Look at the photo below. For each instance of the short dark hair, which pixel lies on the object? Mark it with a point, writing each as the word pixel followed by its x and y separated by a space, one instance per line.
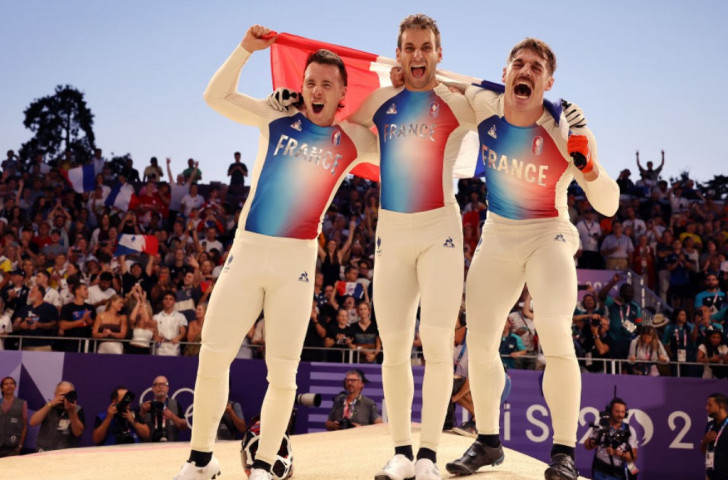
pixel 106 277
pixel 540 47
pixel 720 399
pixel 327 57
pixel 421 21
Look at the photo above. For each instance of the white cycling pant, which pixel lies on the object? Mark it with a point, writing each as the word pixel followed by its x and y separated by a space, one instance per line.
pixel 539 253
pixel 419 260
pixel 275 275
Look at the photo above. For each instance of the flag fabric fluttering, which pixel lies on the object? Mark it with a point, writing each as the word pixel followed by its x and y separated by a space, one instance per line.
pixel 366 72
pixel 122 197
pixel 129 244
pixel 82 179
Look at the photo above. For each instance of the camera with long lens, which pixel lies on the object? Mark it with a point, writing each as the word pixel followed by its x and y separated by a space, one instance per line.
pixel 308 399
pixel 157 410
pixel 122 406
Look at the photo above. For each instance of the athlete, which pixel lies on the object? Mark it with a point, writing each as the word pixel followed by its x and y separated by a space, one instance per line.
pixel 419 248
pixel 302 158
pixel 528 237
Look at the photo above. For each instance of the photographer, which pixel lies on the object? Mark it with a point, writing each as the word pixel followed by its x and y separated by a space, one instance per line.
pixel 163 415
pixel 61 420
pixel 595 343
pixel 118 424
pixel 351 408
pixel 615 444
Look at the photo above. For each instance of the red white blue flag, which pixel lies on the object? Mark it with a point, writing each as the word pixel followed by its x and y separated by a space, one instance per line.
pixel 131 244
pixel 366 72
pixel 82 179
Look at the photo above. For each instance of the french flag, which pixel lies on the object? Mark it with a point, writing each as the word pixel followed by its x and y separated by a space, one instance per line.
pixel 131 244
pixel 122 197
pixel 366 73
pixel 82 179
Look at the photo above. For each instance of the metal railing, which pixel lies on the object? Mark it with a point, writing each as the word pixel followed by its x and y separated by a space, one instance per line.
pixel 613 366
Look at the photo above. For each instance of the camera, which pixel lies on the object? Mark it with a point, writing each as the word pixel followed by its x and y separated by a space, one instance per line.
pixel 607 436
pixel 308 399
pixel 123 405
pixel 71 396
pixel 596 322
pixel 345 423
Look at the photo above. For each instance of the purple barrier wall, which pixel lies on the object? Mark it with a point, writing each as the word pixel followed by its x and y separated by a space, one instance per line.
pixel 667 414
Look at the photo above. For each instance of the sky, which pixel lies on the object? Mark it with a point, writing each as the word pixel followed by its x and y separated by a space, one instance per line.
pixel 649 75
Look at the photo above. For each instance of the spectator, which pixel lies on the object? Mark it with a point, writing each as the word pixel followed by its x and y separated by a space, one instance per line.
pixel 713 353
pixel 626 185
pixel 128 171
pixel 194 331
pixel 37 319
pixel 119 424
pixel 595 344
pixel 111 324
pixel 6 325
pixel 13 419
pixel 192 173
pixel 590 233
pixel 366 336
pixel 178 190
pixel 315 336
pixel 624 316
pixel 679 265
pixel 715 451
pixel 511 346
pixel 646 349
pixel 643 262
pixel 351 408
pixel 679 341
pixel 650 175
pixel 171 327
pixel 52 296
pixel 136 274
pixel 76 318
pixel 188 295
pixel 339 336
pixel 636 225
pixel 332 258
pixel 617 249
pixel 712 297
pixel 163 415
pixel 237 172
pixel 612 462
pixel 210 241
pixel 191 201
pixel 15 293
pixel 62 420
pixel 144 328
pixel 153 171
pixel 99 294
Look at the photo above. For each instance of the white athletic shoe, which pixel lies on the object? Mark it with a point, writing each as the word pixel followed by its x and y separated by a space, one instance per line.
pixel 260 474
pixel 426 470
pixel 398 467
pixel 190 471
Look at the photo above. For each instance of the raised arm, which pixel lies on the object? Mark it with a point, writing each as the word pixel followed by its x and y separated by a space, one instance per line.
pixel 221 93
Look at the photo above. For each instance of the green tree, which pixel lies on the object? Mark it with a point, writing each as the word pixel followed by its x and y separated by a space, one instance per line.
pixel 61 122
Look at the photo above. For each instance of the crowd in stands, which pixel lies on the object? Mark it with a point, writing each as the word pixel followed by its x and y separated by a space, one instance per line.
pixel 65 287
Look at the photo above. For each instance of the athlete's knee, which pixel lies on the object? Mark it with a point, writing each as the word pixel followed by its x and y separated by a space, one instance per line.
pixel 214 361
pixel 397 347
pixel 437 344
pixel 282 372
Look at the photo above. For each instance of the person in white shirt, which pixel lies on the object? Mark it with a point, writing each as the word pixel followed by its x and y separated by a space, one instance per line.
pixel 171 327
pixel 191 201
